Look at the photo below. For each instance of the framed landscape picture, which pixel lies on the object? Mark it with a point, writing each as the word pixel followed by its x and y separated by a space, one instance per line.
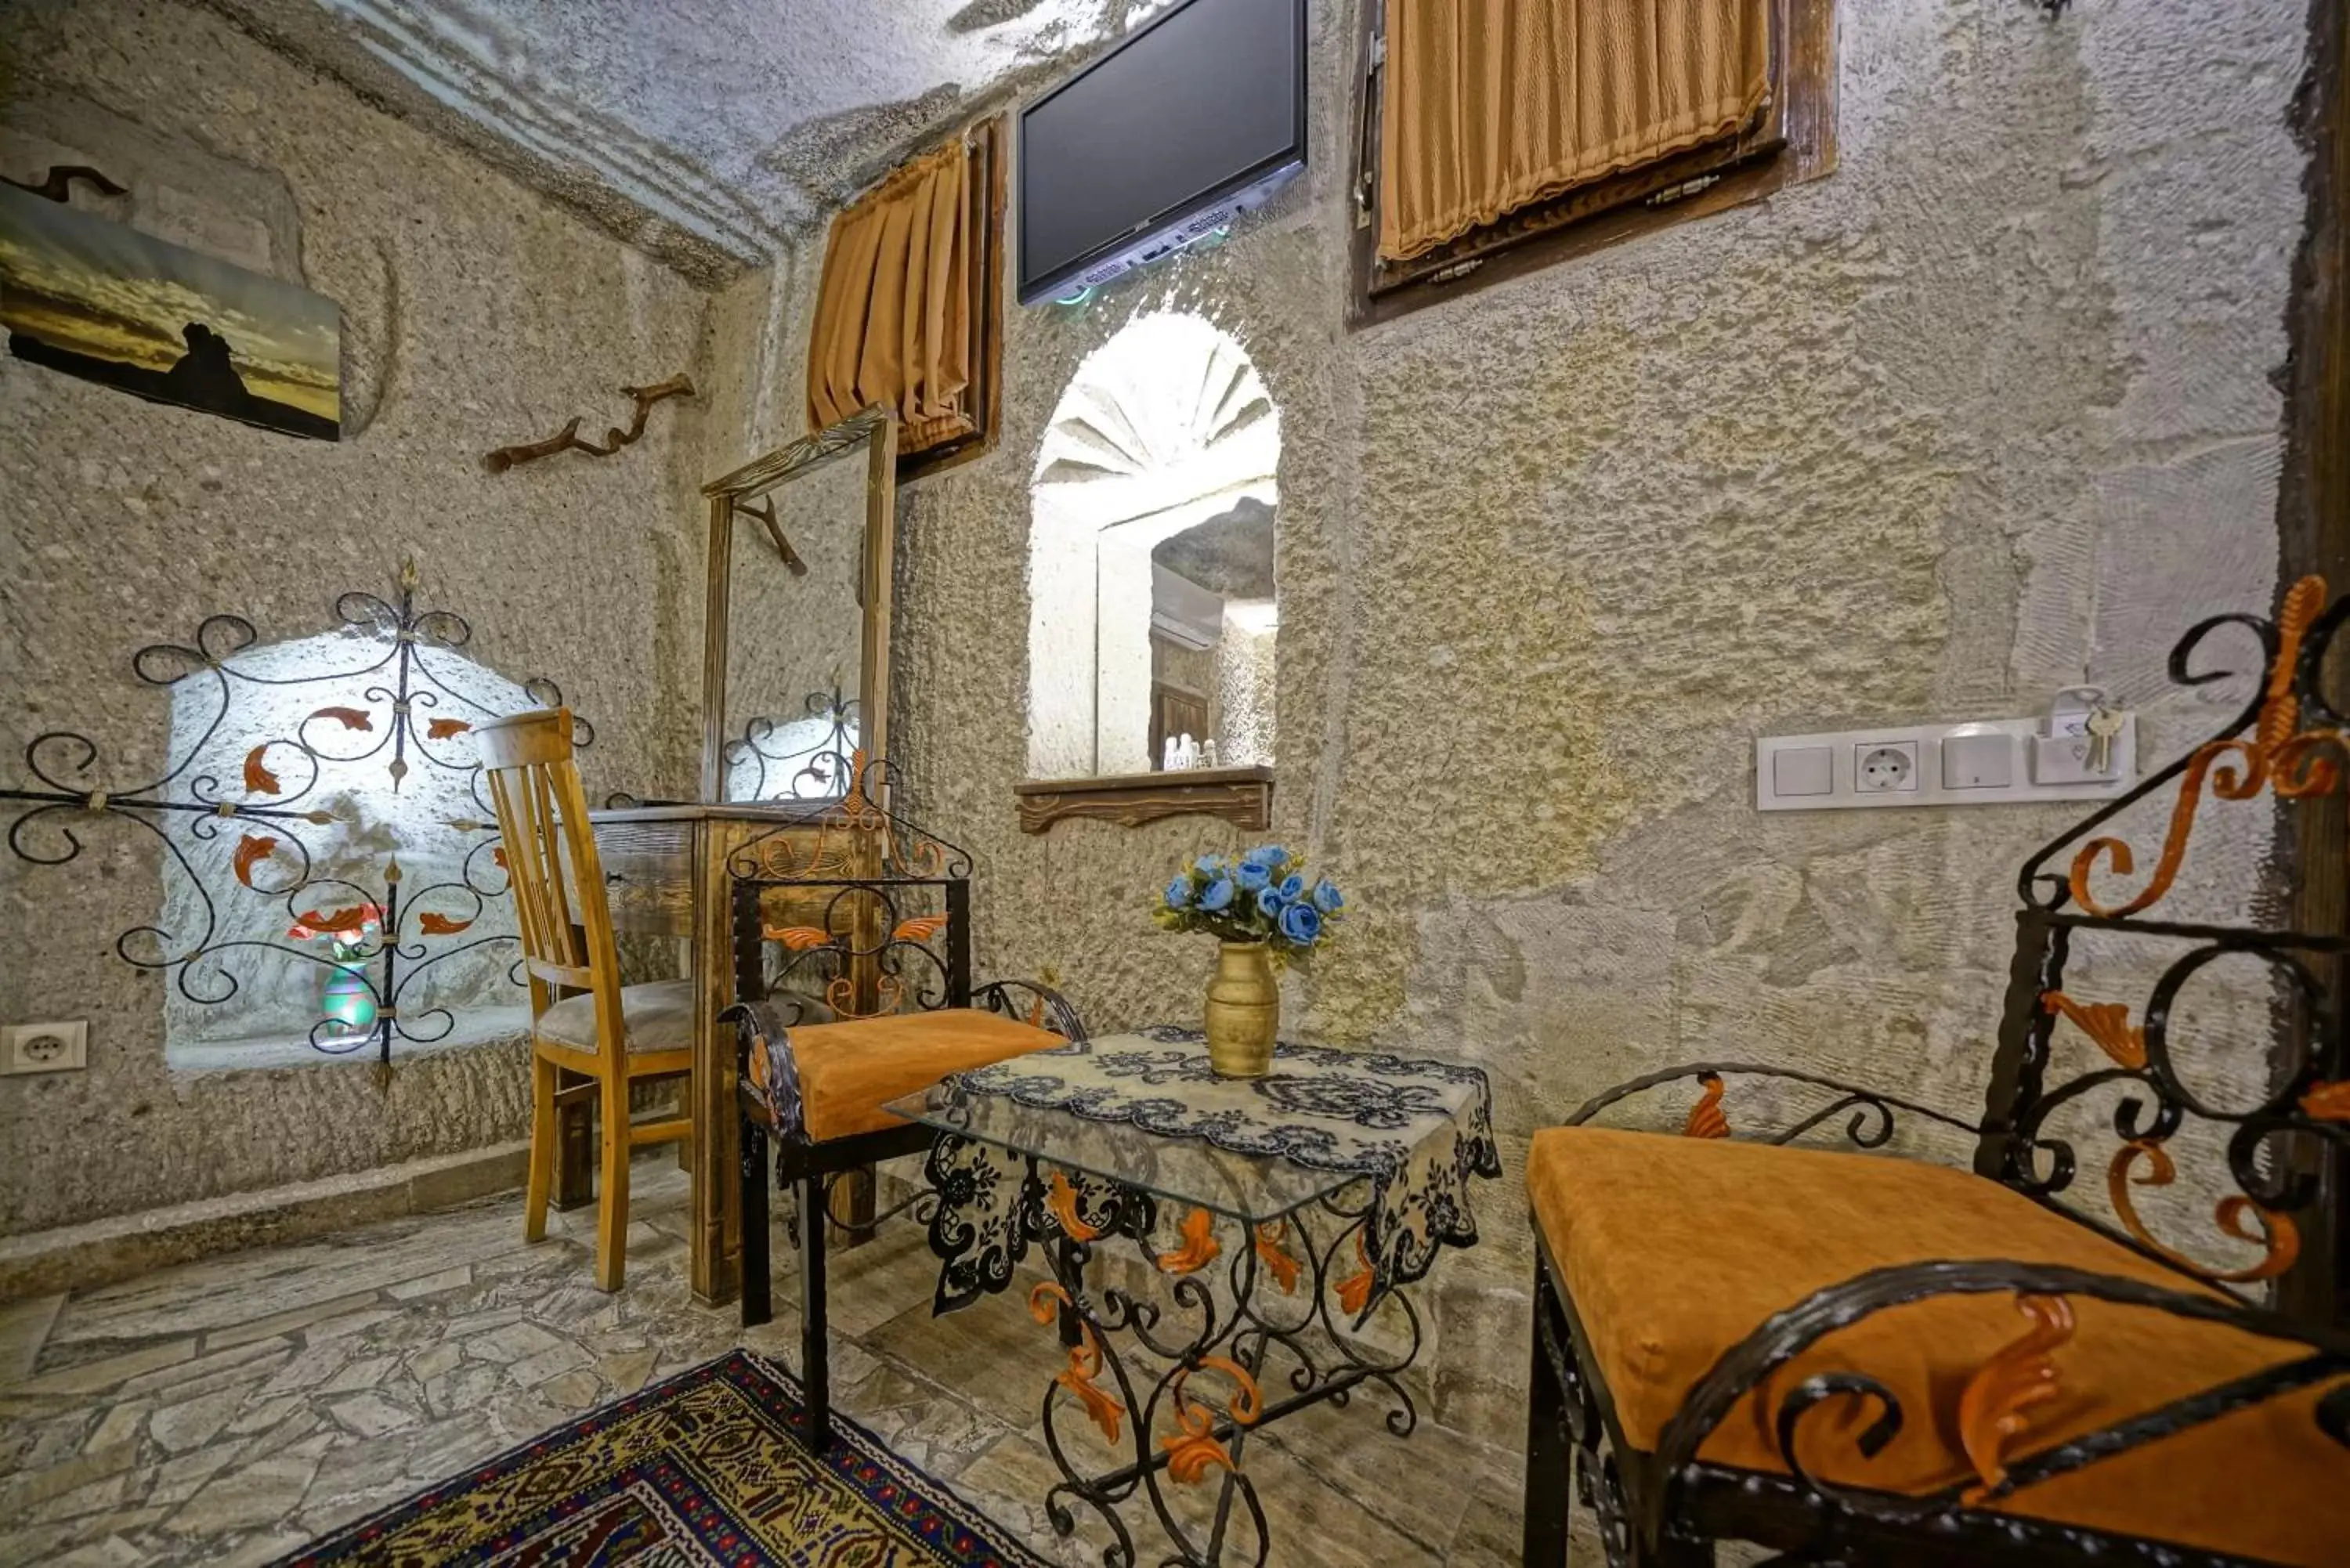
pixel 104 302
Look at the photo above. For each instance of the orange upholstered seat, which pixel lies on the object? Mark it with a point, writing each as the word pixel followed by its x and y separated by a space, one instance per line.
pixel 1674 1248
pixel 846 1073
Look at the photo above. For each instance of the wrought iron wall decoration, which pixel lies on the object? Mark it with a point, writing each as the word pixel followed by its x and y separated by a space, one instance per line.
pixel 57 183
pixel 817 770
pixel 615 438
pixel 386 936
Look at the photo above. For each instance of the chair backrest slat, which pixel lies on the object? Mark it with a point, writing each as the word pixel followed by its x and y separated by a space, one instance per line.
pixel 565 920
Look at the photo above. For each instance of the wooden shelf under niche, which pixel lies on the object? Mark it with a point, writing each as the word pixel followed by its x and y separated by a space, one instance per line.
pixel 1242 797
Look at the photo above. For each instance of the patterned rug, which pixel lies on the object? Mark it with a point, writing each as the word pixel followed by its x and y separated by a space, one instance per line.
pixel 698 1471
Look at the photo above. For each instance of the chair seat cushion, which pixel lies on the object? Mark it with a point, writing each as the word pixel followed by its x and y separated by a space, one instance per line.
pixel 658 1016
pixel 840 1075
pixel 1672 1250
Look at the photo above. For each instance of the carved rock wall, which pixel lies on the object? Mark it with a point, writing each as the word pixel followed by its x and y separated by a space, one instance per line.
pixel 1986 412
pixel 474 313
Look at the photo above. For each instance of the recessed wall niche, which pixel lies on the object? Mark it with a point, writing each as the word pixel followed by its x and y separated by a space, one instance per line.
pixel 1152 607
pixel 285 1006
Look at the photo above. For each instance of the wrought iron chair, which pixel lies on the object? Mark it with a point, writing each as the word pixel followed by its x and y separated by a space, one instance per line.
pixel 2016 1379
pixel 871 1001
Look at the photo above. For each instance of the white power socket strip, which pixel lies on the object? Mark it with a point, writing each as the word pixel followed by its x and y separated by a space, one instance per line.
pixel 44 1047
pixel 1997 761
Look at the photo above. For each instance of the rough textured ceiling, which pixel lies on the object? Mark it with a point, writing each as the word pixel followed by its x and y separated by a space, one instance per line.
pixel 710 132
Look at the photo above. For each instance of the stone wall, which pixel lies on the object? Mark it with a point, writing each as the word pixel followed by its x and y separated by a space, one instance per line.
pixel 1986 412
pixel 474 313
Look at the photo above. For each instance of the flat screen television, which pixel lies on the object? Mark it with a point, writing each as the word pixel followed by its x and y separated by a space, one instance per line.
pixel 1181 126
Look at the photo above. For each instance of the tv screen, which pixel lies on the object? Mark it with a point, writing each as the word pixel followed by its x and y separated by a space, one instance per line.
pixel 1200 108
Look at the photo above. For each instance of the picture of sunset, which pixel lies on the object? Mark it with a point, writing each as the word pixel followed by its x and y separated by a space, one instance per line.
pixel 102 301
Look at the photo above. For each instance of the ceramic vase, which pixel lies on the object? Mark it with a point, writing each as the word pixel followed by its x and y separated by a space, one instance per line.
pixel 1244 1010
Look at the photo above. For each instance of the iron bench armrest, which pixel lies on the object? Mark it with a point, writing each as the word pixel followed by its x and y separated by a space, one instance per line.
pixel 1788 1333
pixel 1852 1097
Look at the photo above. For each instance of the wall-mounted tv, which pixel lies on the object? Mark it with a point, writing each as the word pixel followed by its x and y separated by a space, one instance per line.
pixel 1192 119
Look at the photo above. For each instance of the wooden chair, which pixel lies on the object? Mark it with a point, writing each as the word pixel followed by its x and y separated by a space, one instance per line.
pixel 873 1001
pixel 1866 1360
pixel 582 1018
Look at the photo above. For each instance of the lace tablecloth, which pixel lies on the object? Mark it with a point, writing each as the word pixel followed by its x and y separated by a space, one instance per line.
pixel 1414 1132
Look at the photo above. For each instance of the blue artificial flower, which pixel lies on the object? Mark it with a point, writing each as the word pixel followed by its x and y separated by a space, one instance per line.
pixel 1179 892
pixel 1301 925
pixel 1268 903
pixel 1326 897
pixel 1219 895
pixel 1292 887
pixel 1252 875
pixel 1265 855
pixel 1209 865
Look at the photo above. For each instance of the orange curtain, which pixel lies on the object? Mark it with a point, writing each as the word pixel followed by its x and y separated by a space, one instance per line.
pixel 1491 105
pixel 893 313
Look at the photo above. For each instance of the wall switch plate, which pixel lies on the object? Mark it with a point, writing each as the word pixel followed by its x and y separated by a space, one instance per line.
pixel 1803 770
pixel 44 1047
pixel 1982 760
pixel 1983 763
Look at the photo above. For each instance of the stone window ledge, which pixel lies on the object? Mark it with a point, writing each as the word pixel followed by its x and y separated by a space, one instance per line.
pixel 1242 797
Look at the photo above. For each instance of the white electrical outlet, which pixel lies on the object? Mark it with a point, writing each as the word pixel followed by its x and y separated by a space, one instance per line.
pixel 44 1047
pixel 1978 763
pixel 1879 767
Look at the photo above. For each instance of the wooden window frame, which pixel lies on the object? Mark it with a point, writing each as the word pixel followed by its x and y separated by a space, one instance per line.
pixel 1793 139
pixel 975 431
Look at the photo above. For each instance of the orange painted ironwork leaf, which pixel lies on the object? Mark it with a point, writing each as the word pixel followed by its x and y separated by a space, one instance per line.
pixel 251 850
pixel 2328 1102
pixel 442 729
pixel 498 854
pixel 341 923
pixel 1355 1290
pixel 1061 1202
pixel 2106 1022
pixel 258 779
pixel 799 939
pixel 1191 1451
pixel 1993 1408
pixel 1277 1262
pixel 1706 1118
pixel 918 929
pixel 2275 1234
pixel 1199 1247
pixel 348 718
pixel 434 925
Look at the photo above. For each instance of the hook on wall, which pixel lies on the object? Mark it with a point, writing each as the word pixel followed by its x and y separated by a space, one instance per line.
pixel 568 438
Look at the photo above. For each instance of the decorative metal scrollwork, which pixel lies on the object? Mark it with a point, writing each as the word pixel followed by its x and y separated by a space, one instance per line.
pixel 386 936
pixel 1870 1126
pixel 819 770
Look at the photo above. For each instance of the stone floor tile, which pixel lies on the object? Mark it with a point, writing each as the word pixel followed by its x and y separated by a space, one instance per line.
pixel 306 1386
pixel 106 1372
pixel 371 1415
pixel 179 1427
pixel 252 1496
pixel 431 1284
pixel 24 1330
pixel 280 1323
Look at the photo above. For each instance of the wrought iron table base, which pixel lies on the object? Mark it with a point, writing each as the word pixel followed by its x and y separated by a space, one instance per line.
pixel 1284 1290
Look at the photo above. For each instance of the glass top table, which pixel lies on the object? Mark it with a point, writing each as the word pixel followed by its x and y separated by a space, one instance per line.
pixel 1259 1234
pixel 1255 1189
pixel 1147 1112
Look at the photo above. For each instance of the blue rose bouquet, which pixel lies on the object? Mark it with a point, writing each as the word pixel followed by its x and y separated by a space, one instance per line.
pixel 1264 896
